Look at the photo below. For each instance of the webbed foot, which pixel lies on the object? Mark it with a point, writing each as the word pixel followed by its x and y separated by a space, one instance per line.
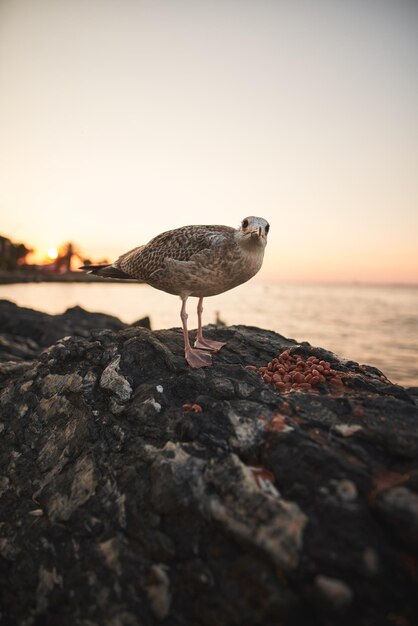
pixel 197 358
pixel 208 344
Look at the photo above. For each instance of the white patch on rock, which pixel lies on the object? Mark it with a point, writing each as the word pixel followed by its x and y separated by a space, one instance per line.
pixel 263 481
pixel 159 388
pixel 247 431
pixel 346 430
pixel 156 405
pixel 113 381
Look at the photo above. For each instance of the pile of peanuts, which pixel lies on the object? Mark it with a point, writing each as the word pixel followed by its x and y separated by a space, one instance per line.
pixel 290 371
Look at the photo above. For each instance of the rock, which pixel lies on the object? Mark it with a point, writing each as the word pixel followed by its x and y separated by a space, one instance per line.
pixel 43 329
pixel 135 490
pixel 399 509
pixel 144 322
pixel 25 332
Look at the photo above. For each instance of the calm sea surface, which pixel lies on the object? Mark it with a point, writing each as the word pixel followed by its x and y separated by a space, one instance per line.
pixel 374 324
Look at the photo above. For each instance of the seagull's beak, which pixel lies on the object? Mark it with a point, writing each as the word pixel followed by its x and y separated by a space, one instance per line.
pixel 257 233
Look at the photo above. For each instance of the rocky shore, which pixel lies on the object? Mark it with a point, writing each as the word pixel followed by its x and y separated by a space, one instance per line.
pixel 137 491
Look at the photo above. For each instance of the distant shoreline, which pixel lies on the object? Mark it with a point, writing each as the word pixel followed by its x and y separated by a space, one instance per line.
pixel 22 276
pixel 10 278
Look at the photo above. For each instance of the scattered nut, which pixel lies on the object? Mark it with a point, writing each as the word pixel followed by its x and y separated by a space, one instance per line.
pixel 192 407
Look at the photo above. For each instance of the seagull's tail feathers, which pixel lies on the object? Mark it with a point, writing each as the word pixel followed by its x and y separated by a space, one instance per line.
pixel 108 271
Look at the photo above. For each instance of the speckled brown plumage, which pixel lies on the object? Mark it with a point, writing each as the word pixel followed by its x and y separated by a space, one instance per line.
pixel 174 261
pixel 195 261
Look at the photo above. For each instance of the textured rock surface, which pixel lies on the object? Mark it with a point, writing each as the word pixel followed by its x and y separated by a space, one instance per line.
pixel 24 332
pixel 135 490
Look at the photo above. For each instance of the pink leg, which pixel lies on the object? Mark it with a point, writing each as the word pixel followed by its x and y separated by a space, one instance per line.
pixel 204 344
pixel 195 358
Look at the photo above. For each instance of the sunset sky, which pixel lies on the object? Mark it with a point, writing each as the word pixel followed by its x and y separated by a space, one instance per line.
pixel 123 118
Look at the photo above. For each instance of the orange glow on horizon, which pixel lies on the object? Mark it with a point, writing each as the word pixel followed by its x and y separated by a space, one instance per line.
pixel 284 263
pixel 52 253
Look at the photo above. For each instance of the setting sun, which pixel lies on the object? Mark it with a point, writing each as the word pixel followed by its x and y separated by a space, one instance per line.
pixel 52 253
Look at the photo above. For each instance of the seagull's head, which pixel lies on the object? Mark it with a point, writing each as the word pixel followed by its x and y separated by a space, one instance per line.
pixel 253 232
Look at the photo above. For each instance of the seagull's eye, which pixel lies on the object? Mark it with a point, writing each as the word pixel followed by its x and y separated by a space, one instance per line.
pixel 245 223
pixel 267 228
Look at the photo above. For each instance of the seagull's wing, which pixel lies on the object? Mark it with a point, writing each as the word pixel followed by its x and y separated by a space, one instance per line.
pixel 183 244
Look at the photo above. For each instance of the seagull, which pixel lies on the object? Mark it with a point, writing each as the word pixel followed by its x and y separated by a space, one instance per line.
pixel 197 261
